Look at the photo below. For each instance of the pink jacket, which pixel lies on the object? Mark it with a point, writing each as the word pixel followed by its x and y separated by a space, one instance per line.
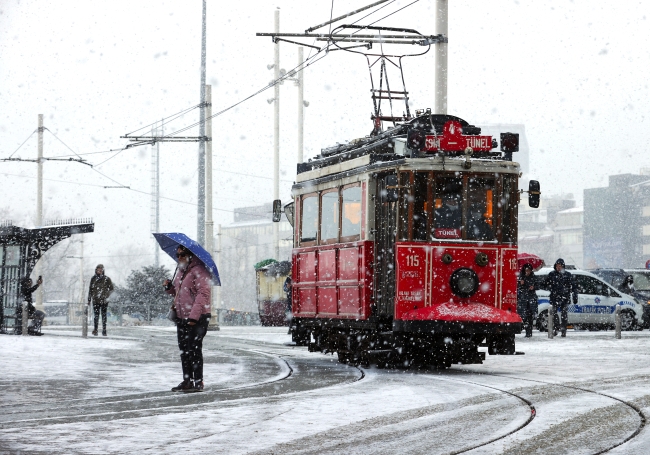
pixel 194 293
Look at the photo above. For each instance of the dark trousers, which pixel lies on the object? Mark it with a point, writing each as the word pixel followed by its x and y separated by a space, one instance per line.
pixel 190 342
pixel 36 316
pixel 563 320
pixel 97 307
pixel 528 321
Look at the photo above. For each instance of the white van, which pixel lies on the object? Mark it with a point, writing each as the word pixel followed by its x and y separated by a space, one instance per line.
pixel 596 305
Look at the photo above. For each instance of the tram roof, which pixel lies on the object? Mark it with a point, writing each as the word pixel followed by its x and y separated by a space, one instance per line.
pixel 377 163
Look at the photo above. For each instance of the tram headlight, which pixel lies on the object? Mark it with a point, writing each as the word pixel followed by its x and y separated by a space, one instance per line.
pixel 464 282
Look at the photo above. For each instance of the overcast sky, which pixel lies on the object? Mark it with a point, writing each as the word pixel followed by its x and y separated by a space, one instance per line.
pixel 574 73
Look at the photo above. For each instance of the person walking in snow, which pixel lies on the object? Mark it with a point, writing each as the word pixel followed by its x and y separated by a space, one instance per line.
pixel 192 296
pixel 562 287
pixel 100 289
pixel 527 297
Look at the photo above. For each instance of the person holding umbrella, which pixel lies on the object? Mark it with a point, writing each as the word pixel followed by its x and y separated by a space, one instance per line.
pixel 191 288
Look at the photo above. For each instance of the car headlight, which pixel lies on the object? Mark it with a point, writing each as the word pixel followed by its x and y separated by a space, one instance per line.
pixel 464 282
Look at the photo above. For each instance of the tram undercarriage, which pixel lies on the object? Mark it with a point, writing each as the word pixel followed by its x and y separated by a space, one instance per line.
pixel 366 343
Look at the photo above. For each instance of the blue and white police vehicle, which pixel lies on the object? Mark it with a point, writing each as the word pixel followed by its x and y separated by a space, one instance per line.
pixel 596 305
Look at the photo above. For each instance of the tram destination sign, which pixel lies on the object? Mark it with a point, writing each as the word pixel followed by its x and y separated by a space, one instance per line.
pixel 453 140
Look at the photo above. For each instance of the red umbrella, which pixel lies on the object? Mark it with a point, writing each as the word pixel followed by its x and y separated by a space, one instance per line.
pixel 529 258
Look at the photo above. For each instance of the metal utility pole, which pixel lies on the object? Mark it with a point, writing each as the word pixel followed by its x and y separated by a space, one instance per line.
pixel 84 305
pixel 442 28
pixel 276 133
pixel 209 223
pixel 39 205
pixel 201 193
pixel 301 104
pixel 155 192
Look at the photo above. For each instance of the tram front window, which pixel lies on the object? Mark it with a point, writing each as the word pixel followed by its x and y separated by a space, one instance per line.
pixel 448 216
pixel 480 214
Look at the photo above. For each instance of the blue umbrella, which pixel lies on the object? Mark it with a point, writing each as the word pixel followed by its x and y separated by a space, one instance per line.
pixel 169 243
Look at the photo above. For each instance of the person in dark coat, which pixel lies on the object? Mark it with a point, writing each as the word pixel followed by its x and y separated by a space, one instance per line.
pixel 449 216
pixel 527 297
pixel 100 290
pixel 477 227
pixel 562 287
pixel 26 291
pixel 627 286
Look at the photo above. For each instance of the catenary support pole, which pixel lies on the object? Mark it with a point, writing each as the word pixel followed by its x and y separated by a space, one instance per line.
pixel 200 235
pixel 39 207
pixel 276 134
pixel 618 322
pixel 209 223
pixel 217 305
pixel 442 28
pixel 84 305
pixel 301 105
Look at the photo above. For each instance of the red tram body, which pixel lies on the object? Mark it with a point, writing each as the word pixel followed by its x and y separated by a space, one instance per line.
pixel 405 246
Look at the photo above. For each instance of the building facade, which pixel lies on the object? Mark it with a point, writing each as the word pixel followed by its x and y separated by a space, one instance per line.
pixel 245 242
pixel 617 223
pixel 554 230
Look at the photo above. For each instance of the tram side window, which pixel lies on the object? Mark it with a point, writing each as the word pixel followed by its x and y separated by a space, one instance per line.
pixel 405 199
pixel 329 229
pixel 448 217
pixel 480 209
pixel 420 205
pixel 508 204
pixel 351 214
pixel 309 219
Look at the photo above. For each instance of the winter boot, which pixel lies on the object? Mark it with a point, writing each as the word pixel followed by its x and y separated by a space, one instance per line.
pixel 197 386
pixel 95 332
pixel 563 334
pixel 183 386
pixel 104 333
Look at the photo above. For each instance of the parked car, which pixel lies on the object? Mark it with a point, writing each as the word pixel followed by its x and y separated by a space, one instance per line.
pixel 641 277
pixel 596 305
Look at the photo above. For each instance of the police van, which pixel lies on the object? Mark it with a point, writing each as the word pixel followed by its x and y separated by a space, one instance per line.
pixel 596 305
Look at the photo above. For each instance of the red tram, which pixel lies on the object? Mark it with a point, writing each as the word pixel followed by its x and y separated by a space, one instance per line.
pixel 405 246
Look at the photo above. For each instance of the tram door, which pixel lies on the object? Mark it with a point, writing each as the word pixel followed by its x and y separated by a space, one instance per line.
pixel 385 233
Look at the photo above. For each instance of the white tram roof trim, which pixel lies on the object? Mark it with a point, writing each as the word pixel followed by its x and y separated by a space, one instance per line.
pixel 447 163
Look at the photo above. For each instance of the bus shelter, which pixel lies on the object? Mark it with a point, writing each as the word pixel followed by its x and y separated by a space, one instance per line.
pixel 20 250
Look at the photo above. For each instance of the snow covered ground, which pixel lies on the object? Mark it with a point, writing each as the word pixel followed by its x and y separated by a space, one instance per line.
pixel 63 394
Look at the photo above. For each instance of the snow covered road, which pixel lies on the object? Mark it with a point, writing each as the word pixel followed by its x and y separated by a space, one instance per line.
pixel 265 396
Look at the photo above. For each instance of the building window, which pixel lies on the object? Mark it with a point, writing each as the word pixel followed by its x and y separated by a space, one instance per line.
pixel 646 211
pixel 646 229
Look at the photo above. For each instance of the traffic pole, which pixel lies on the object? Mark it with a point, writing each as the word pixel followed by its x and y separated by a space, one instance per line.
pixel 84 320
pixel 551 321
pixel 618 322
pixel 25 317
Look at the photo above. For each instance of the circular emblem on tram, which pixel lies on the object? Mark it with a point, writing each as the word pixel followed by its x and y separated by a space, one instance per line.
pixel 446 258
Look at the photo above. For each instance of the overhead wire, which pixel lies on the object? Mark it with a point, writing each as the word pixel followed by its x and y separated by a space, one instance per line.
pixel 297 68
pixel 28 137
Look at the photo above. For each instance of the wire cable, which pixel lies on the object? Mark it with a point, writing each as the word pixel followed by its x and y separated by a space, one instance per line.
pixel 22 143
pixel 297 68
pixel 57 138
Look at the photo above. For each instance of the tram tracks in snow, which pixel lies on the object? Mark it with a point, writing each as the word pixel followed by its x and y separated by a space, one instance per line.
pixel 141 405
pixel 639 412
